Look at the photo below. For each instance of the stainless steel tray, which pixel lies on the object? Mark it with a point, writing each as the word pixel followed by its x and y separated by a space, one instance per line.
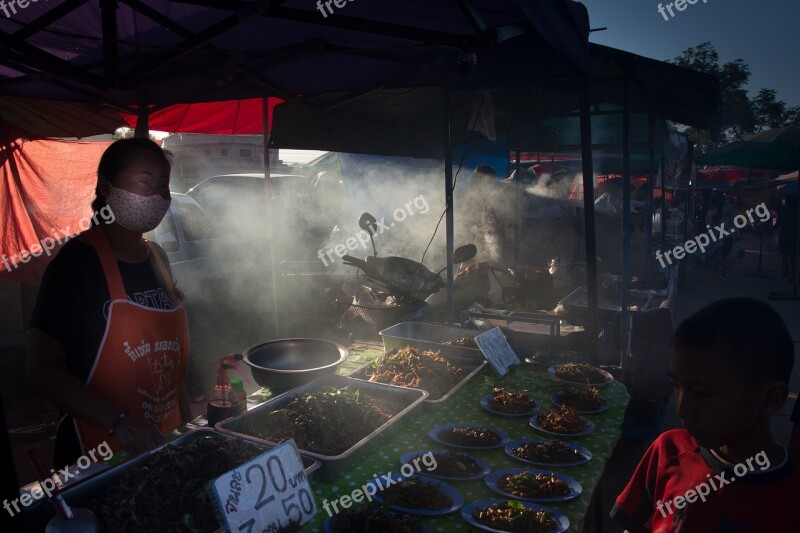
pixel 427 336
pixel 405 399
pixel 470 366
pixel 80 493
pixel 608 302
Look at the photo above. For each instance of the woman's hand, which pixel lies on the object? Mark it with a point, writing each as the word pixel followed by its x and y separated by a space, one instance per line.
pixel 136 435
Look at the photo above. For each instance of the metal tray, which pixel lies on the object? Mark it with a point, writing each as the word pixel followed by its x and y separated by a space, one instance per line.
pixel 78 494
pixel 608 302
pixel 470 365
pixel 332 465
pixel 427 336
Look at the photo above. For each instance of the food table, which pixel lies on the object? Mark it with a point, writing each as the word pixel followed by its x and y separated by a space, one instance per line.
pixel 464 407
pixel 411 434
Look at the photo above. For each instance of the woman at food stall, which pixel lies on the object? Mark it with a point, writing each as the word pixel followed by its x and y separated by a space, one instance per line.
pixel 109 337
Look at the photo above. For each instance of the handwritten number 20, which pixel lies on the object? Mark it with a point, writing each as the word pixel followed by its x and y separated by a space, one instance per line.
pixel 261 501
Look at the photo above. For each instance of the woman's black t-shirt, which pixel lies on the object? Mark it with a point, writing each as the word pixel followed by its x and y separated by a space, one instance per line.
pixel 72 307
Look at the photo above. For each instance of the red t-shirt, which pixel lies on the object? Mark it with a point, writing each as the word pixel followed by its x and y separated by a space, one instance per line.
pixel 723 498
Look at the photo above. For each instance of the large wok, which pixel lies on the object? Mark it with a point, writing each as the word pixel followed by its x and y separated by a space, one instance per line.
pixel 285 364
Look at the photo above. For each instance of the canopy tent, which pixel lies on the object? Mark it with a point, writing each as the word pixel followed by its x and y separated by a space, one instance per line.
pixel 128 52
pixel 33 118
pixel 777 149
pixel 228 117
pixel 723 173
pixel 522 95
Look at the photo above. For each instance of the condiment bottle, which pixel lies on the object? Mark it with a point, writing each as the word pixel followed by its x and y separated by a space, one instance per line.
pixel 224 402
pixel 237 386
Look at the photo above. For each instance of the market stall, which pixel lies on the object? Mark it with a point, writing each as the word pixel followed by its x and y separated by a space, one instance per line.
pixel 380 453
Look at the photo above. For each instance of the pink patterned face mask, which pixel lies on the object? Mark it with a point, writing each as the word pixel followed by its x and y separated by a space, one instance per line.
pixel 136 212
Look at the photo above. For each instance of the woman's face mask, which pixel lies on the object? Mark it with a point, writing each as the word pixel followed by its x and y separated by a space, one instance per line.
pixel 135 212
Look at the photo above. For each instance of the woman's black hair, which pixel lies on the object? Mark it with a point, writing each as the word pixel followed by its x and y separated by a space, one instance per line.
pixel 747 334
pixel 117 157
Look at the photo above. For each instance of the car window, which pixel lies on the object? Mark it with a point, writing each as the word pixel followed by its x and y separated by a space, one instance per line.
pixel 165 234
pixel 222 200
pixel 196 224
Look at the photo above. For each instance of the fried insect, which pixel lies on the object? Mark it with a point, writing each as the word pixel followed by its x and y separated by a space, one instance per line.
pixel 515 517
pixel 565 420
pixel 375 517
pixel 580 373
pixel 552 451
pixel 408 367
pixel 326 422
pixel 469 436
pixel 585 399
pixel 464 342
pixel 511 402
pixel 414 493
pixel 166 492
pixel 530 485
pixel 451 464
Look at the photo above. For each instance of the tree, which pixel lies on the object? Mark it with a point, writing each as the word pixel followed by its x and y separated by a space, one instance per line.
pixel 740 114
pixel 771 113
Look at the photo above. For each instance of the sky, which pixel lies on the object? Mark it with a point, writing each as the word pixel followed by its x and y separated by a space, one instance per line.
pixel 765 34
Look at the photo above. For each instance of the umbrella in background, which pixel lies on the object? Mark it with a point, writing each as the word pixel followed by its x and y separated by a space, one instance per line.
pixel 730 173
pixel 777 149
pixel 772 150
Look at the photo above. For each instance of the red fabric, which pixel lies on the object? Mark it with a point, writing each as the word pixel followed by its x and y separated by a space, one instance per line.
pixel 47 189
pixel 230 117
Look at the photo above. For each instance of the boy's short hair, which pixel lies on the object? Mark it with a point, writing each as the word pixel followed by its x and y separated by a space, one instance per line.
pixel 746 333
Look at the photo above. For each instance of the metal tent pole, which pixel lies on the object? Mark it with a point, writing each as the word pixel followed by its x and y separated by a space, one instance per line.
pixel 588 206
pixel 448 198
pixel 270 216
pixel 626 220
pixel 760 270
pixel 651 134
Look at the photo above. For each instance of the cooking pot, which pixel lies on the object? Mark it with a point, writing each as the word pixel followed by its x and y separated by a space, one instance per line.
pixel 285 364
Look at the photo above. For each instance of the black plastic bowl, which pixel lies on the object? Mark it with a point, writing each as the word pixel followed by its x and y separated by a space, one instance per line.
pixel 285 364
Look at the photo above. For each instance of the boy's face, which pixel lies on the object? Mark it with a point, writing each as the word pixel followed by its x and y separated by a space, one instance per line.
pixel 717 405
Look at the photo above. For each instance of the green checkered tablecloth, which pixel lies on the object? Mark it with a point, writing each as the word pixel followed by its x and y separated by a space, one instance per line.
pixel 464 406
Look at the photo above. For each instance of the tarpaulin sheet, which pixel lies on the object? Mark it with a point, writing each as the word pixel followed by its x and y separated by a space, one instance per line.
pixel 46 191
pixel 230 117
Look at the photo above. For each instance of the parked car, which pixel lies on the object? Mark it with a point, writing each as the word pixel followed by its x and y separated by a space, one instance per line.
pixel 193 245
pixel 232 199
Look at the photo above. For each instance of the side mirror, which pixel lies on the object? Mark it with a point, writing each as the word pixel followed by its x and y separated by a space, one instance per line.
pixel 368 223
pixel 464 253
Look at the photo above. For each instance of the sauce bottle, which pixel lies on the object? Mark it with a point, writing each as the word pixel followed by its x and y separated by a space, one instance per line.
pixel 224 402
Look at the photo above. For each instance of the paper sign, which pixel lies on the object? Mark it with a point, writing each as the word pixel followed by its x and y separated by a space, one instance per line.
pixel 497 351
pixel 267 493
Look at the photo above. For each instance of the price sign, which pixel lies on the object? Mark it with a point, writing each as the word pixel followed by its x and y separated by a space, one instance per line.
pixel 497 351
pixel 266 494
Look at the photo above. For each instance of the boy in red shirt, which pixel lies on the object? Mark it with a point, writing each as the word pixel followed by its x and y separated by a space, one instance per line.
pixel 730 365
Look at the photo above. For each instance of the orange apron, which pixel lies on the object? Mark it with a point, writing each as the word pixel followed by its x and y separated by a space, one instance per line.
pixel 142 359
